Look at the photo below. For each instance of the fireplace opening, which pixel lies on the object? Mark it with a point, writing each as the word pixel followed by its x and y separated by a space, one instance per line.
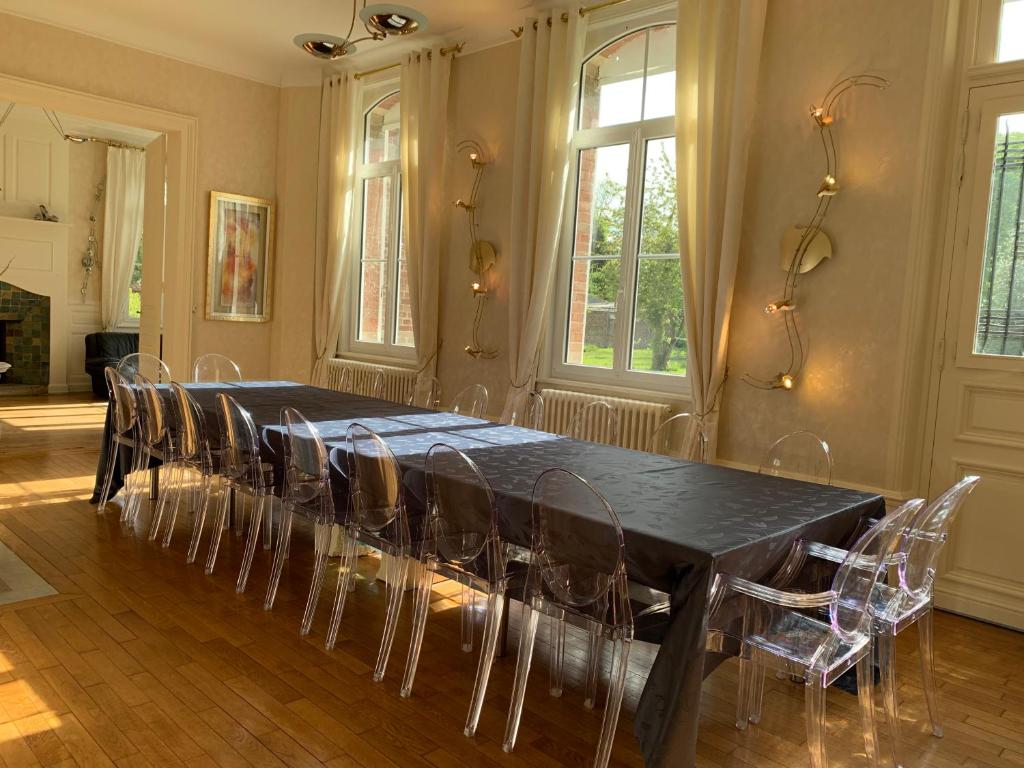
pixel 24 340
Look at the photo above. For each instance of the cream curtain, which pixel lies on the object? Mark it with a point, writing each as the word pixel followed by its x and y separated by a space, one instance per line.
pixel 122 230
pixel 718 52
pixel 549 73
pixel 336 229
pixel 424 123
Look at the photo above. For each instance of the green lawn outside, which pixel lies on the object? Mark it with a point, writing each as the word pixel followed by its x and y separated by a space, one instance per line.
pixel 601 357
pixel 134 304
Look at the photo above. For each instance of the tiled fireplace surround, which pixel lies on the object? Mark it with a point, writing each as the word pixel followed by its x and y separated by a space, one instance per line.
pixel 24 336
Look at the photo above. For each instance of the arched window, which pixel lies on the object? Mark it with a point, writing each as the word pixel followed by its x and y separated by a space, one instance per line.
pixel 383 319
pixel 621 292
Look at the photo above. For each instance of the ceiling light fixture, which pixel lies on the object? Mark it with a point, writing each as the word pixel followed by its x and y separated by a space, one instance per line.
pixel 380 21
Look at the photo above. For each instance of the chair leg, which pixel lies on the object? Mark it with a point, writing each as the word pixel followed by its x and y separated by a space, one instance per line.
pixel 556 643
pixel 527 635
pixel 866 694
pixel 466 617
pixel 113 455
pixel 814 704
pixel 321 544
pixel 593 666
pixel 133 501
pixel 268 523
pixel 616 687
pixel 424 583
pixel 755 692
pixel 926 649
pixel 218 530
pixel 171 470
pixel 884 647
pixel 197 525
pixel 488 647
pixel 177 490
pixel 283 536
pixel 250 545
pixel 396 589
pixel 346 568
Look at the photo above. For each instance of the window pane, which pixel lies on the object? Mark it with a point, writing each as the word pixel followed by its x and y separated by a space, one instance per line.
pixel 403 308
pixel 601 200
pixel 659 334
pixel 135 289
pixel 592 306
pixel 1011 31
pixel 382 124
pixel 613 83
pixel 1001 303
pixel 372 282
pixel 376 247
pixel 660 96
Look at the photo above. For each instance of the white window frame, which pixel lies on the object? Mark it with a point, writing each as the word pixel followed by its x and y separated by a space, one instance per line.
pixel 350 345
pixel 636 135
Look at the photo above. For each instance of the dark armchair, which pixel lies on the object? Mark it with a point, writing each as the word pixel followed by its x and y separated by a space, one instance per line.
pixel 103 349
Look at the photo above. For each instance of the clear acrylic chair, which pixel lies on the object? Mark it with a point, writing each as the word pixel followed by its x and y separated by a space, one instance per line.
pixel 215 367
pixel 155 442
pixel 799 454
pixel 306 491
pixel 461 543
pixel 597 422
pixel 908 602
pixel 244 476
pixel 531 415
pixel 432 398
pixel 577 575
pixel 471 401
pixel 673 434
pixel 123 432
pixel 144 364
pixel 377 517
pixel 777 630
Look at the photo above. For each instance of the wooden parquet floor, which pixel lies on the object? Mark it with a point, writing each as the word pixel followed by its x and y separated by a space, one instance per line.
pixel 142 661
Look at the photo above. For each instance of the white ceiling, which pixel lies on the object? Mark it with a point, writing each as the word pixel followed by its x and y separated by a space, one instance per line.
pixel 253 38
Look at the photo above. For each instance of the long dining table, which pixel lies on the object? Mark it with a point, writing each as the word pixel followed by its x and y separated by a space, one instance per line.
pixel 683 522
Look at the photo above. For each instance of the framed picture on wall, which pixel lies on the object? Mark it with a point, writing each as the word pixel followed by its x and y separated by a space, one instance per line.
pixel 241 259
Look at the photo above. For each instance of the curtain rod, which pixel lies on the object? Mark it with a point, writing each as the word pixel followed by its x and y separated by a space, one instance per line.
pixel 444 52
pixel 518 31
pixel 110 143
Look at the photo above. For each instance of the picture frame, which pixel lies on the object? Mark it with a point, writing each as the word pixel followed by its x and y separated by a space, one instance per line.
pixel 240 264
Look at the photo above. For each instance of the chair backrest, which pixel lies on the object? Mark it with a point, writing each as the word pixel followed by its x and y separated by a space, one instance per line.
pixel 799 454
pixel 215 367
pixel 432 398
pixel 307 471
pixel 122 395
pixel 597 421
pixel 463 514
pixel 375 480
pixel 926 535
pixel 377 383
pixel 672 436
pixel 152 413
pixel 578 548
pixel 150 366
pixel 531 415
pixel 240 446
pixel 192 437
pixel 865 564
pixel 471 401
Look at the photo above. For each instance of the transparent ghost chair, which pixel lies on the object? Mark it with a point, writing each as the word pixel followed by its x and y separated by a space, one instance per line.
pixel 673 434
pixel 243 472
pixel 908 602
pixel 800 454
pixel 306 491
pixel 124 426
pixel 778 631
pixel 577 575
pixel 377 517
pixel 215 367
pixel 430 399
pixel 144 364
pixel 461 543
pixel 597 422
pixel 471 401
pixel 155 442
pixel 531 415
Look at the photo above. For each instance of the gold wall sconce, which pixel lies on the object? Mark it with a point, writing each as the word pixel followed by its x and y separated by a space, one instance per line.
pixel 804 248
pixel 482 254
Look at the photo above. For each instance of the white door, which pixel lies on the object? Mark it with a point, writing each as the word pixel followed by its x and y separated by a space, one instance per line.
pixel 979 426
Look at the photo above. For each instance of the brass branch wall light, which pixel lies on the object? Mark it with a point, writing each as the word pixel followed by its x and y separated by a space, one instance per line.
pixel 803 248
pixel 482 254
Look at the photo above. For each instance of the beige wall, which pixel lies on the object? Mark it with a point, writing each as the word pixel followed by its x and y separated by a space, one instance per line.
pixel 850 307
pixel 87 167
pixel 238 122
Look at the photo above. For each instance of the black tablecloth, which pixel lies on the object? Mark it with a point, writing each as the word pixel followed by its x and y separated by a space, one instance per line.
pixel 683 522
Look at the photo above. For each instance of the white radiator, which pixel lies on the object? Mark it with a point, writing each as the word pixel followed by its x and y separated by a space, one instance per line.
pixel 637 419
pixel 361 378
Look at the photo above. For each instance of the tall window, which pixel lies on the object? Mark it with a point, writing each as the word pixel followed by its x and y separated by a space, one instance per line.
pixel 622 301
pixel 383 319
pixel 135 288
